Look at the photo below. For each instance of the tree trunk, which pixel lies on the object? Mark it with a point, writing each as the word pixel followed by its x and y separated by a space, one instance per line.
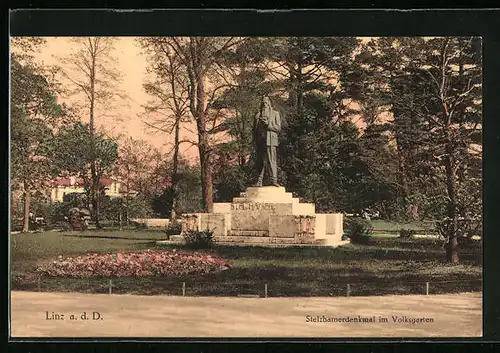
pixel 203 143
pixel 92 96
pixel 399 127
pixel 206 181
pixel 300 93
pixel 175 166
pixel 452 226
pixel 95 195
pixel 27 204
pixel 95 179
pixel 403 176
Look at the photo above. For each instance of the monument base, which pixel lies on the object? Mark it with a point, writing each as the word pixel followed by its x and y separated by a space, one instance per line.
pixel 268 214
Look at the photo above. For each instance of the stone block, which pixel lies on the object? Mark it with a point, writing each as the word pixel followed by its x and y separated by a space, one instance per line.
pixel 242 240
pixel 268 194
pixel 333 227
pixel 282 226
pixel 304 238
pixel 255 216
pixel 304 209
pixel 191 222
pixel 248 233
pixel 222 207
pixel 214 221
pixel 320 226
pixel 282 240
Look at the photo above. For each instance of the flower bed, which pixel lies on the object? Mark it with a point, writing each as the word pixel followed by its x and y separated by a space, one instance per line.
pixel 143 263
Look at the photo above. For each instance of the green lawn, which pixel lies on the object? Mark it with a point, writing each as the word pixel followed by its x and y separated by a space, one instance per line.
pixel 384 235
pixel 380 225
pixel 386 266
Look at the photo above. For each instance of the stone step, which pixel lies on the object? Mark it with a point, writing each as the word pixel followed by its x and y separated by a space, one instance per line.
pixel 248 233
pixel 176 238
pixel 287 200
pixel 261 244
pixel 273 198
pixel 241 239
pixel 263 239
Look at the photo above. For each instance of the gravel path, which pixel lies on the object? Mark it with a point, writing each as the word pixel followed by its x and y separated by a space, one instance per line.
pixel 35 315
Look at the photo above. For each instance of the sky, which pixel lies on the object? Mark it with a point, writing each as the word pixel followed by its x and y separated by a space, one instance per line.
pixel 132 64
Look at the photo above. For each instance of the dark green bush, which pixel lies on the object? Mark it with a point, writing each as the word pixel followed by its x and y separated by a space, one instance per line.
pixel 196 239
pixel 141 225
pixel 359 230
pixel 174 227
pixel 407 233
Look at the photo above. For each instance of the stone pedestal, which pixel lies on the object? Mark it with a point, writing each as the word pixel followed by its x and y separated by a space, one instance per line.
pixel 269 213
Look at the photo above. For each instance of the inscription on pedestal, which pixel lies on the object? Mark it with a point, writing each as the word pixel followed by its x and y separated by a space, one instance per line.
pixel 254 206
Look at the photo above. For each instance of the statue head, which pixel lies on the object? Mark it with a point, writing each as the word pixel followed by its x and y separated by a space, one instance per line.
pixel 266 102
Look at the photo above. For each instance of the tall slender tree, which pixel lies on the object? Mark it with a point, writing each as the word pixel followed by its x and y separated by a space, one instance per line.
pixel 92 71
pixel 200 57
pixel 169 108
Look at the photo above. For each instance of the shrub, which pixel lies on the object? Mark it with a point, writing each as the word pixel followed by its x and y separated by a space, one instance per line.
pixel 407 233
pixel 359 230
pixel 173 228
pixel 196 239
pixel 140 225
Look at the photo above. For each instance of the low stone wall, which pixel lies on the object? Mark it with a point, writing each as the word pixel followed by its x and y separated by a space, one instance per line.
pixel 153 222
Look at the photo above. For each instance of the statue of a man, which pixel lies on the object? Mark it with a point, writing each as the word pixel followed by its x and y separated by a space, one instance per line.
pixel 267 125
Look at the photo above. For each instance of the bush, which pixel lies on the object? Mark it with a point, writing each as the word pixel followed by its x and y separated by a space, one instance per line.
pixel 407 233
pixel 173 228
pixel 196 239
pixel 359 230
pixel 139 225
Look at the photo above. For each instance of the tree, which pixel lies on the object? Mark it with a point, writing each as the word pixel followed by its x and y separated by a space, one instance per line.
pixel 137 207
pixel 170 107
pixel 35 116
pixel 142 169
pixel 199 57
pixel 435 97
pixel 454 69
pixel 75 150
pixel 388 65
pixel 91 69
pixel 189 192
pixel 313 72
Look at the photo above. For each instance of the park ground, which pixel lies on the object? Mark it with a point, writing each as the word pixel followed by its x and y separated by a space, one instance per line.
pixel 388 277
pixel 128 316
pixel 388 265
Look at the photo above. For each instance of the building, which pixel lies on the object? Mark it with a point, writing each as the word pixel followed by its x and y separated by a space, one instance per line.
pixel 64 186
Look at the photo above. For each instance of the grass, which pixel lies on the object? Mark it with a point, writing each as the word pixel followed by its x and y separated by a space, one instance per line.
pixel 384 235
pixel 387 266
pixel 382 225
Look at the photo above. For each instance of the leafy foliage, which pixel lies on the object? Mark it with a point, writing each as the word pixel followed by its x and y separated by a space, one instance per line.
pixel 174 227
pixel 407 233
pixel 358 230
pixel 115 208
pixel 35 116
pixel 203 239
pixel 189 193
